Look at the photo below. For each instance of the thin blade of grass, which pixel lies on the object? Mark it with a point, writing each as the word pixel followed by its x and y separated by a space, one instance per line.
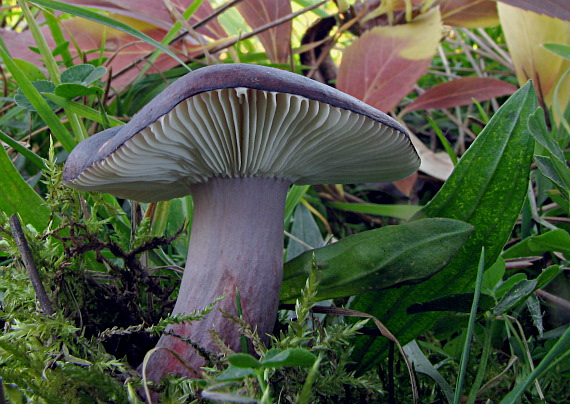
pixel 83 110
pixel 470 329
pixel 27 153
pixel 40 104
pixel 449 150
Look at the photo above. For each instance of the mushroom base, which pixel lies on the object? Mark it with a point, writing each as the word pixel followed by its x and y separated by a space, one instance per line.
pixel 236 243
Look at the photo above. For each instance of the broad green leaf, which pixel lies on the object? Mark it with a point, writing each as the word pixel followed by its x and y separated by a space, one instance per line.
pixel 398 211
pixel 377 259
pixel 103 19
pixel 275 358
pixel 243 361
pixel 554 240
pixel 40 104
pixel 493 275
pixel 16 196
pixel 487 190
pixel 95 75
pixel 73 90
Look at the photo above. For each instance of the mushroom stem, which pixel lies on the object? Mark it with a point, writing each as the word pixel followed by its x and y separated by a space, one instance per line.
pixel 236 243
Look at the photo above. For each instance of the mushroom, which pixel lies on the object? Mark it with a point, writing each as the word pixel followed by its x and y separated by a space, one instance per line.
pixel 236 137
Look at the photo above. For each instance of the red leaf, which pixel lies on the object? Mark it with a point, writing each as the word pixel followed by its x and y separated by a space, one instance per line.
pixel 383 65
pixel 553 8
pixel 406 185
pixel 155 12
pixel 277 40
pixel 460 92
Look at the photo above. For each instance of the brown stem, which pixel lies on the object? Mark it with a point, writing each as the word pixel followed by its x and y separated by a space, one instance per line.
pixel 236 244
pixel 30 265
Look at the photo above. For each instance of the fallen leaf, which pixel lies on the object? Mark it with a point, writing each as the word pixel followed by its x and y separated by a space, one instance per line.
pixel 276 40
pixel 460 92
pixel 383 65
pixel 525 32
pixel 554 8
pixel 406 185
pixel 469 13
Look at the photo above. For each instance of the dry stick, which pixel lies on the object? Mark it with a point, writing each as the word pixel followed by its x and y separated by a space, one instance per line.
pixel 30 265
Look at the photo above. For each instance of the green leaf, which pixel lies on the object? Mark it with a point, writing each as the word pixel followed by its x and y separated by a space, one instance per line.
pixel 515 296
pixel 547 275
pixel 42 86
pixel 72 90
pixel 110 22
pixel 244 361
pixel 33 72
pixel 538 129
pixel 76 74
pixel 275 358
pixel 16 196
pixel 559 49
pixel 233 373
pixel 557 171
pixel 82 110
pixel 559 351
pixel 294 196
pixel 377 259
pixel 554 240
pixel 40 104
pixel 305 229
pixel 398 211
pixel 459 303
pixel 487 190
pixel 508 284
pixel 95 75
pixel 27 153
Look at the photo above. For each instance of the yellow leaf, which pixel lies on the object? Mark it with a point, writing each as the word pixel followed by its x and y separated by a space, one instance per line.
pixel 525 32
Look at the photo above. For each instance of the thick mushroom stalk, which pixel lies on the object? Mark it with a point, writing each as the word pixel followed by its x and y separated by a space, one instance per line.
pixel 236 244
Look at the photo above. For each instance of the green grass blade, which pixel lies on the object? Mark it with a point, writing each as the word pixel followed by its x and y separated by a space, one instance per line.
pixel 398 211
pixel 40 104
pixel 560 350
pixel 487 189
pixel 83 110
pixel 16 196
pixel 443 141
pixel 102 19
pixel 294 196
pixel 27 153
pixel 470 330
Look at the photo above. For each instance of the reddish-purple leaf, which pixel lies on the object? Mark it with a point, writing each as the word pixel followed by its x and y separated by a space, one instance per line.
pixel 460 92
pixel 277 40
pixel 383 65
pixel 469 13
pixel 155 12
pixel 553 8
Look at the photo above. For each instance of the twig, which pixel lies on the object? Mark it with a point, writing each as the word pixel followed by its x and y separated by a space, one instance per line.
pixel 30 265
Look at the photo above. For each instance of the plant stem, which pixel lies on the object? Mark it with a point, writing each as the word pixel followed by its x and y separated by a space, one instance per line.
pixel 30 265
